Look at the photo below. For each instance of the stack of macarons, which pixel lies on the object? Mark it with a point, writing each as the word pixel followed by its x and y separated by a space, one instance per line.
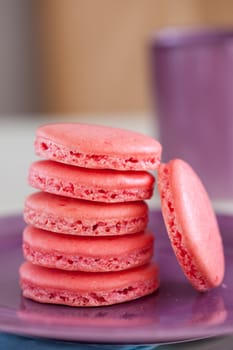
pixel 86 242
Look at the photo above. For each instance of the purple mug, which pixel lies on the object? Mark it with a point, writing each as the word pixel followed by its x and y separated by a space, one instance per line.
pixel 192 82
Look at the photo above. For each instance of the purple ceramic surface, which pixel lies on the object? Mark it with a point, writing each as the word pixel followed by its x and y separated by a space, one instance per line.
pixel 175 313
pixel 192 77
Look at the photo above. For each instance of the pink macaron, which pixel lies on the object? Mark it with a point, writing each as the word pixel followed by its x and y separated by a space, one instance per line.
pixel 132 314
pixel 77 288
pixel 101 185
pixel 191 224
pixel 78 217
pixel 93 146
pixel 92 254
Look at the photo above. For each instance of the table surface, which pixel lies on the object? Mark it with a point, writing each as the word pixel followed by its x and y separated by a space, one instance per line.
pixel 12 342
pixel 16 140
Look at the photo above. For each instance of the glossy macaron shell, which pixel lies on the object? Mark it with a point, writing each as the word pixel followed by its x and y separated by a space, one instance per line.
pixel 79 217
pixel 94 146
pixel 91 184
pixel 191 224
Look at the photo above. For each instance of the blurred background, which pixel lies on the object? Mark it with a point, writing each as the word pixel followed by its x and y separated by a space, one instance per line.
pixel 89 61
pixel 86 56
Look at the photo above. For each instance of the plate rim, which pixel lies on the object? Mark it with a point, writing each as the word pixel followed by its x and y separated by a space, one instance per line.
pixel 83 335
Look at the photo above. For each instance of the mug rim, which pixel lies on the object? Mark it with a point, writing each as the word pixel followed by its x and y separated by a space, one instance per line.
pixel 172 37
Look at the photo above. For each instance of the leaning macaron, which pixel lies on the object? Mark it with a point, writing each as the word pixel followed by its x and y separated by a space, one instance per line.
pixel 93 146
pixel 78 217
pixel 87 288
pixel 191 224
pixel 92 254
pixel 101 185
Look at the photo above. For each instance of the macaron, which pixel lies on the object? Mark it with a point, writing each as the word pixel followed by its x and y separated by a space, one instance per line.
pixel 132 314
pixel 101 185
pixel 78 217
pixel 87 288
pixel 93 146
pixel 191 224
pixel 92 254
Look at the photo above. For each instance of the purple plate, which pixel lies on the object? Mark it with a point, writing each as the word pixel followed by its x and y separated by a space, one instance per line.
pixel 175 313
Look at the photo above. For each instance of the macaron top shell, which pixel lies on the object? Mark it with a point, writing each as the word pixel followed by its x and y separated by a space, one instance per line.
pixel 83 217
pixel 86 246
pixel 76 208
pixel 102 146
pixel 94 178
pixel 101 185
pixel 86 281
pixel 191 224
